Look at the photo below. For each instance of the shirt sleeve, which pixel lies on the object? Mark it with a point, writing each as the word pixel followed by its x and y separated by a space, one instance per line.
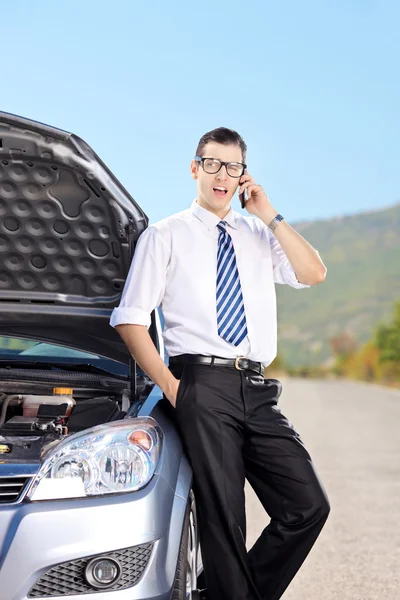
pixel 145 284
pixel 282 269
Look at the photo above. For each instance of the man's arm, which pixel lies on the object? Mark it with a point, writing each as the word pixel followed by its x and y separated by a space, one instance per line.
pixel 142 293
pixel 303 258
pixel 139 343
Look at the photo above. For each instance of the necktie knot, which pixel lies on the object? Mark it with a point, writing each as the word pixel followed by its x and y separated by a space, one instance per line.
pixel 222 226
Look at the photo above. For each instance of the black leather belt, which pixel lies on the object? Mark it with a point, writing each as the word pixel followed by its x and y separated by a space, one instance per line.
pixel 241 362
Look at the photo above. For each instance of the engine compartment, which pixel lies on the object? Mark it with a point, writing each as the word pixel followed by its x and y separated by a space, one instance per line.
pixel 33 423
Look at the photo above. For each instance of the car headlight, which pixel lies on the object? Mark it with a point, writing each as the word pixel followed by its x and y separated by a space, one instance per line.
pixel 107 459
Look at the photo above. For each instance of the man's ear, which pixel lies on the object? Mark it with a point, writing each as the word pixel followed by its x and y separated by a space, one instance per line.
pixel 193 169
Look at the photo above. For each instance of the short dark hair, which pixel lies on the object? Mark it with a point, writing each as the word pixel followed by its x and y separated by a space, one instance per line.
pixel 225 136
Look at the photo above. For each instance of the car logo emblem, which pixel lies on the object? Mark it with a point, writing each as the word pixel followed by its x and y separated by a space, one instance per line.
pixel 4 449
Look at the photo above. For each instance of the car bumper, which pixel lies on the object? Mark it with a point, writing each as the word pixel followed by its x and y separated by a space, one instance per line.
pixel 35 536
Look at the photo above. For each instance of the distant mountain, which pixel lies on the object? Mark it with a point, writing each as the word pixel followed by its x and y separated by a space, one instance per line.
pixel 362 255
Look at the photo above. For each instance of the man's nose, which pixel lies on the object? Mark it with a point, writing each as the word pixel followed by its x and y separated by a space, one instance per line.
pixel 222 173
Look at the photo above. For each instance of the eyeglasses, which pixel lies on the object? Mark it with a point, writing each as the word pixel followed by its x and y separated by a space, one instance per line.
pixel 213 165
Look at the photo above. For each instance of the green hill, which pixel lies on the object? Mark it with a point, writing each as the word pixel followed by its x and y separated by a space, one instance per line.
pixel 362 255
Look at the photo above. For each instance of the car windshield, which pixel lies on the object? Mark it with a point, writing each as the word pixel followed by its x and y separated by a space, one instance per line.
pixel 32 351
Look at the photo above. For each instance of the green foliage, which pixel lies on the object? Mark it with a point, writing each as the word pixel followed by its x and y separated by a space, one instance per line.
pixel 377 360
pixel 387 338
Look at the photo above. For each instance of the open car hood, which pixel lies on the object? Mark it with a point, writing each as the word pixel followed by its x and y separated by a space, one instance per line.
pixel 67 234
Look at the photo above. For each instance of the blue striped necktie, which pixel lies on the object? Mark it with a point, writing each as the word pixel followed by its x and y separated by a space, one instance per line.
pixel 231 319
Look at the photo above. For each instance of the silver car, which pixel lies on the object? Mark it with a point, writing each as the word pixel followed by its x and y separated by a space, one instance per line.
pixel 95 488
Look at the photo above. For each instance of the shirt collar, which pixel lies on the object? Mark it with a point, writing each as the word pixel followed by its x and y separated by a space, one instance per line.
pixel 210 219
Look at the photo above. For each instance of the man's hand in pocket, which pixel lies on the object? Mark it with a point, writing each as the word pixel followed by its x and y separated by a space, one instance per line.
pixel 172 392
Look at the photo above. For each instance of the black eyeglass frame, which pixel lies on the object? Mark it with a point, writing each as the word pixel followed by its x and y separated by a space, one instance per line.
pixel 201 160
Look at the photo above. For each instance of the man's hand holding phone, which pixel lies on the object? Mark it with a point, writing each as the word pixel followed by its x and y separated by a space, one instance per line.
pixel 254 199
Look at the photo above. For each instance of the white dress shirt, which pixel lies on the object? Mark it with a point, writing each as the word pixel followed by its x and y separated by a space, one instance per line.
pixel 174 266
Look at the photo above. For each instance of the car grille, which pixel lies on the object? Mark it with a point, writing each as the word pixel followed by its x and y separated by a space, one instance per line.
pixel 11 488
pixel 68 578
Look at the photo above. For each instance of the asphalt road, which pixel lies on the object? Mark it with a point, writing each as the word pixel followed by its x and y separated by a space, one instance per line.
pixel 352 431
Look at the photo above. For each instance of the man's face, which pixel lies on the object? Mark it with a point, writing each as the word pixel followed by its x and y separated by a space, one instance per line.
pixel 209 197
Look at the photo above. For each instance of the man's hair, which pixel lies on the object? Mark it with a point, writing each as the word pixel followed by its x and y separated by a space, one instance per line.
pixel 225 136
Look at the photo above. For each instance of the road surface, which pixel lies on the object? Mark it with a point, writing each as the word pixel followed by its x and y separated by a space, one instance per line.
pixel 352 431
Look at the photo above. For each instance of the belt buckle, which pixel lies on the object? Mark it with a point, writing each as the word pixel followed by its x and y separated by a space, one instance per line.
pixel 236 363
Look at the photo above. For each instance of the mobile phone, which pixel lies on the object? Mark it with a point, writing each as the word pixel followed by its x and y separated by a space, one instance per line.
pixel 243 196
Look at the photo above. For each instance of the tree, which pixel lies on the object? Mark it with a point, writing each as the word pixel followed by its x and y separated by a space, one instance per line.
pixel 387 338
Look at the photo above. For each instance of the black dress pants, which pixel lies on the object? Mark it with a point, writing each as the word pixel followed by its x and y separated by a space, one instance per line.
pixel 232 429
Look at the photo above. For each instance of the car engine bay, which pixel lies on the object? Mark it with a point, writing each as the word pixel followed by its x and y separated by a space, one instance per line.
pixel 33 423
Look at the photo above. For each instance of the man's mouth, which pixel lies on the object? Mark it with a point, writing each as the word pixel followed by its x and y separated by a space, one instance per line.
pixel 220 191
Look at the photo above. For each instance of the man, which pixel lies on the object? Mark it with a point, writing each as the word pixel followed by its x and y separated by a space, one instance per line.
pixel 213 271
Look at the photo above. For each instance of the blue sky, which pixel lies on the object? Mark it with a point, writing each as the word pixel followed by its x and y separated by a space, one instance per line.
pixel 312 86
